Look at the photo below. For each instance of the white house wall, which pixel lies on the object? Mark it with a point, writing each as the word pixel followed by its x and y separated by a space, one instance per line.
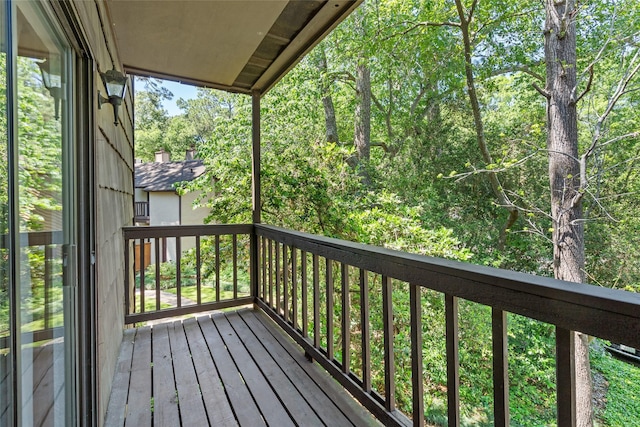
pixel 167 208
pixel 164 209
pixel 192 215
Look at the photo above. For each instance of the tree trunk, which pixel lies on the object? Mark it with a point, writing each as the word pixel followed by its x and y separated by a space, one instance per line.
pixel 564 173
pixel 362 134
pixel 362 120
pixel 331 125
pixel 496 186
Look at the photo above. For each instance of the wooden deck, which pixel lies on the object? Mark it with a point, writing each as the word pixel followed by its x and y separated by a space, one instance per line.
pixel 226 369
pixel 43 367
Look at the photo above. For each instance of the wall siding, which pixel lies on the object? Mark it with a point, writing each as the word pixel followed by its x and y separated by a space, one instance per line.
pixel 113 154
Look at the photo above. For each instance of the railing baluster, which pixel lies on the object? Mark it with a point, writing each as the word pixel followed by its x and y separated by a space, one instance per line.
pixel 277 251
pixel 294 287
pixel 198 273
pixel 500 368
pixel 141 266
pixel 316 301
pixel 179 270
pixel 364 327
pixel 565 377
pixel 305 296
pixel 48 257
pixel 157 259
pixel 285 282
pixel 156 239
pixel 329 280
pixel 217 240
pixel 127 275
pixel 254 266
pixel 416 355
pixel 235 265
pixel 271 273
pixel 389 362
pixel 346 319
pixel 453 368
pixel 263 255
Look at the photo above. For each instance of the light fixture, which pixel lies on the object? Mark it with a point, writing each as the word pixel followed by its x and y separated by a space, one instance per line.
pixel 116 85
pixel 52 81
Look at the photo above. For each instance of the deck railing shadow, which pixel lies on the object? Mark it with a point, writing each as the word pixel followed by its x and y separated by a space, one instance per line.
pixel 322 292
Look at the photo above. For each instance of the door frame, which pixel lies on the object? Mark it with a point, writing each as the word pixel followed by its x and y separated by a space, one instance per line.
pixel 84 97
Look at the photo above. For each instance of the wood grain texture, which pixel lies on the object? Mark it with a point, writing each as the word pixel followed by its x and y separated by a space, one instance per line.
pixel 224 369
pixel 601 312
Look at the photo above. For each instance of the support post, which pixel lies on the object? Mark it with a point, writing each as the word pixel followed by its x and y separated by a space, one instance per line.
pixel 255 172
pixel 255 190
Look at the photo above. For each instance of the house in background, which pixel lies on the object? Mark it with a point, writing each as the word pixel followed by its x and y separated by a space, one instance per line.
pixel 157 201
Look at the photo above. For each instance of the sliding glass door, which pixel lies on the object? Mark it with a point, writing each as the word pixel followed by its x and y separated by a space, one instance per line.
pixel 6 355
pixel 38 218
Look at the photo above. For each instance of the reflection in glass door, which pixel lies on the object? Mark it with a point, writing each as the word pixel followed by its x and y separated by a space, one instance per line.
pixel 40 297
pixel 5 297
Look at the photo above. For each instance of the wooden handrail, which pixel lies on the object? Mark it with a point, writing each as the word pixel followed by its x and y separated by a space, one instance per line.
pixel 48 240
pixel 160 239
pixel 35 238
pixel 286 268
pixel 606 313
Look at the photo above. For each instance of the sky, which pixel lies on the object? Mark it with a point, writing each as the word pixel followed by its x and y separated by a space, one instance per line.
pixel 179 91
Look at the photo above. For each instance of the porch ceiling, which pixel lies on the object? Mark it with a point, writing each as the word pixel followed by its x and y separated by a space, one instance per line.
pixel 234 45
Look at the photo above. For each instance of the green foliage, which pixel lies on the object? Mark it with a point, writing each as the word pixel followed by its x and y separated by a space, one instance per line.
pixel 428 190
pixel 622 383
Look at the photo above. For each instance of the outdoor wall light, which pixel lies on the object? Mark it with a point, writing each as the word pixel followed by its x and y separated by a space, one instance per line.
pixel 52 81
pixel 116 85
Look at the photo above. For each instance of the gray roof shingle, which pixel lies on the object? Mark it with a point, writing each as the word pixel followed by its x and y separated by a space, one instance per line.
pixel 155 176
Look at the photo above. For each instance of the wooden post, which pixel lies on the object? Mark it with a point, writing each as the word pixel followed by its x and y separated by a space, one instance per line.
pixel 453 368
pixel 255 171
pixel 389 362
pixel 565 377
pixel 416 355
pixel 500 367
pixel 255 189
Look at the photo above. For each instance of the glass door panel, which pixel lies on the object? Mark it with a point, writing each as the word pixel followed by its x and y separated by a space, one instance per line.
pixel 46 227
pixel 5 314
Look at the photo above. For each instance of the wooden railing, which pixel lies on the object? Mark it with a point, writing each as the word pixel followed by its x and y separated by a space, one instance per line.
pixel 141 211
pixel 193 268
pixel 45 272
pixel 303 279
pixel 323 292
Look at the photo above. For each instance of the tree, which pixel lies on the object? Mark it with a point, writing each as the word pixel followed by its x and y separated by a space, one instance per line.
pixel 362 116
pixel 564 173
pixel 324 83
pixel 151 120
pixel 568 177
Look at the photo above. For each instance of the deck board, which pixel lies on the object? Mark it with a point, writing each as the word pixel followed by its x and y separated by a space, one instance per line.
pixel 238 394
pixel 189 398
pixel 43 372
pixel 138 411
pixel 285 390
pixel 272 409
pixel 218 408
pixel 233 368
pixel 116 410
pixel 165 404
pixel 326 408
